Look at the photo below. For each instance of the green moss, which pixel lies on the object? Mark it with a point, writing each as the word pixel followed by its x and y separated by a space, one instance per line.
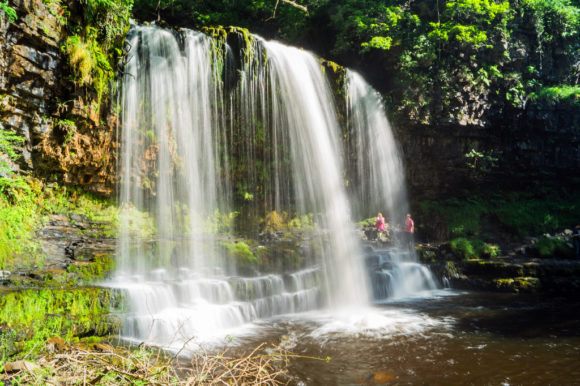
pixel 451 269
pixel 30 317
pixel 336 74
pixel 89 272
pixel 241 251
pixel 488 268
pixel 220 36
pixel 90 63
pixel 518 284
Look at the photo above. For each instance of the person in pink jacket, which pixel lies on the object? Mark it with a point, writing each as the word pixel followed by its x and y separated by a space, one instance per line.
pixel 409 225
pixel 409 231
pixel 380 223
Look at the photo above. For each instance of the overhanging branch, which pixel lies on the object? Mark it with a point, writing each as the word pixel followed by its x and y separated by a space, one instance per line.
pixel 291 3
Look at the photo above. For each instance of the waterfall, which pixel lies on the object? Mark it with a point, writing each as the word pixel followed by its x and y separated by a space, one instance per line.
pixel 209 125
pixel 205 126
pixel 377 178
pixel 376 168
pixel 303 111
pixel 168 151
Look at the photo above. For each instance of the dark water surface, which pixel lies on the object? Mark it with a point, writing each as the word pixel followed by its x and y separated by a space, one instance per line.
pixel 453 339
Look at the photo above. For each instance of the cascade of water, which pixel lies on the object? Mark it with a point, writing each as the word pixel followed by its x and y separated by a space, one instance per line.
pixel 377 175
pixel 168 150
pixel 378 183
pixel 303 111
pixel 183 116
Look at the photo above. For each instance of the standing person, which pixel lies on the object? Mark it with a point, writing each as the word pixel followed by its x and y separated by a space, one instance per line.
pixel 409 231
pixel 576 240
pixel 380 223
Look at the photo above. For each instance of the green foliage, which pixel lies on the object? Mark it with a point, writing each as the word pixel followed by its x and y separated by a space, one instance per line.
pixel 94 44
pixel 8 11
pixel 433 59
pixel 469 248
pixel 8 143
pixel 480 162
pixel 110 18
pixel 553 247
pixel 89 62
pixel 552 20
pixel 462 248
pixel 504 214
pixel 490 250
pixel 18 219
pixel 558 94
pixel 304 222
pixel 69 127
pixel 241 252
pixel 478 11
pixel 222 223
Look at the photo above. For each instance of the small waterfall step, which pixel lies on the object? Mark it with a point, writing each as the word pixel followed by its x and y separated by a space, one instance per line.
pixel 394 275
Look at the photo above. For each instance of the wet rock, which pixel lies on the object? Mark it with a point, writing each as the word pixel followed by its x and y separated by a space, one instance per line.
pixel 64 241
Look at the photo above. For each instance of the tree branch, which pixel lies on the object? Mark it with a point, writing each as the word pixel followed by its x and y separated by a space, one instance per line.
pixel 296 5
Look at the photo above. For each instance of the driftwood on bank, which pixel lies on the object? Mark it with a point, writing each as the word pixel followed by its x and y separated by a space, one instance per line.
pixel 102 364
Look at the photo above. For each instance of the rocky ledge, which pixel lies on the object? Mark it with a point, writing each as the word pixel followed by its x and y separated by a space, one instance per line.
pixel 509 274
pixel 74 250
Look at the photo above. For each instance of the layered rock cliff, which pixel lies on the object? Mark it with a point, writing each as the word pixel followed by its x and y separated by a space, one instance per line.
pixel 66 137
pixel 540 144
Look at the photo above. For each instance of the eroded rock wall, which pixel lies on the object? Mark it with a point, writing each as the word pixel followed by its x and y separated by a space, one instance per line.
pixel 67 138
pixel 540 144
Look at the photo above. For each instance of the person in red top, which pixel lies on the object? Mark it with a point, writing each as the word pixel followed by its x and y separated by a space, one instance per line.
pixel 409 224
pixel 380 223
pixel 409 231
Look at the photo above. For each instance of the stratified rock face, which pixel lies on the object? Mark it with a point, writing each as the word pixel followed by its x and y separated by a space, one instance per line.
pixel 539 143
pixel 36 93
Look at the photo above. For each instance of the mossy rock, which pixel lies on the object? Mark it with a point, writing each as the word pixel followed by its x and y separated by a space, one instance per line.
pixel 518 284
pixel 30 317
pixel 97 269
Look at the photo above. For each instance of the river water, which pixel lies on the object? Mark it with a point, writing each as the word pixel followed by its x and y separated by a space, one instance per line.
pixel 448 338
